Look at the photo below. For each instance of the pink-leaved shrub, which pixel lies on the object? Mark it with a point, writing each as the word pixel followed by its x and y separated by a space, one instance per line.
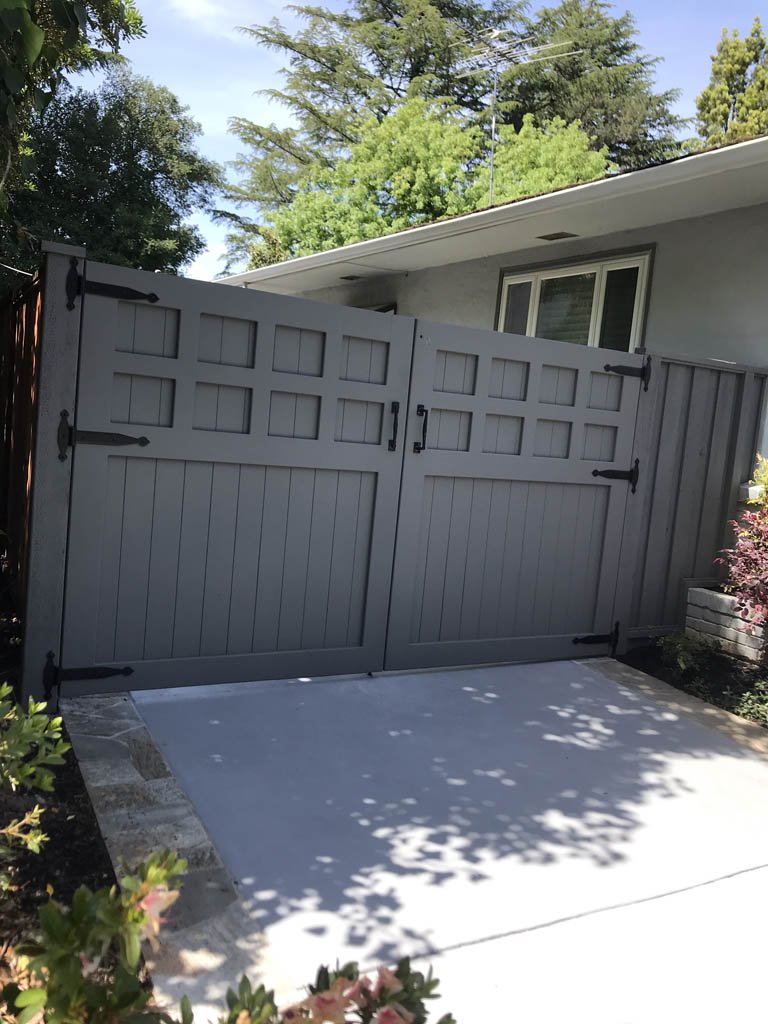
pixel 747 564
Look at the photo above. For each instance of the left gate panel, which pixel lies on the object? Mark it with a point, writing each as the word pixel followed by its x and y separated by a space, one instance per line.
pixel 253 536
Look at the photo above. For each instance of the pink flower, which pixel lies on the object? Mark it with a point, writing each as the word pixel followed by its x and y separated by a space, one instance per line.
pixel 89 966
pixel 158 899
pixel 294 1013
pixel 329 1007
pixel 360 993
pixel 386 980
pixel 393 1015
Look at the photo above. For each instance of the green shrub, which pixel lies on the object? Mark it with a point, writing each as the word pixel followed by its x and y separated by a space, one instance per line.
pixel 686 656
pixel 30 745
pixel 753 703
pixel 760 477
pixel 67 961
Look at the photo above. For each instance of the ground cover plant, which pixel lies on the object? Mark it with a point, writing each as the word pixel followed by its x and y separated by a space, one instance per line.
pixel 31 745
pixel 699 668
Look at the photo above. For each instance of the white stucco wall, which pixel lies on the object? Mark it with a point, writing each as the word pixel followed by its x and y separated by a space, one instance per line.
pixel 708 288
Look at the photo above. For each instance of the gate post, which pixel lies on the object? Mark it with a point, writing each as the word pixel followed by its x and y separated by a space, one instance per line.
pixel 49 477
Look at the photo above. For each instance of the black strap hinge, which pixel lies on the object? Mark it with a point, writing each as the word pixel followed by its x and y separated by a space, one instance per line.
pixel 54 675
pixel 611 638
pixel 67 437
pixel 633 475
pixel 76 285
pixel 643 372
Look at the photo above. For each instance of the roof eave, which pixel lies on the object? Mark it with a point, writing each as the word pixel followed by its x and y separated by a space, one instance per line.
pixel 698 165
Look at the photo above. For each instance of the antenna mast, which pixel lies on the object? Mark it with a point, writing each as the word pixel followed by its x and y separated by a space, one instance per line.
pixel 492 51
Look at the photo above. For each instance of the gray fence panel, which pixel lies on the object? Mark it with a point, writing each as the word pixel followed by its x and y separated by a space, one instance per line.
pixel 698 429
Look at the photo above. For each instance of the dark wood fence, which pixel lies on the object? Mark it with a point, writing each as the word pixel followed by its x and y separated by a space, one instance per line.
pixel 20 332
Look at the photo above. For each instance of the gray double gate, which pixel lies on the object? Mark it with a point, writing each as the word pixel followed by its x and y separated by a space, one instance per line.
pixel 267 487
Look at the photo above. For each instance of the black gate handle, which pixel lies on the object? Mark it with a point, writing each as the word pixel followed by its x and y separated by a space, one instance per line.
pixel 420 446
pixel 392 445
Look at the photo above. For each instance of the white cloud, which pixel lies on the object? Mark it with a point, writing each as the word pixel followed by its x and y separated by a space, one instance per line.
pixel 223 17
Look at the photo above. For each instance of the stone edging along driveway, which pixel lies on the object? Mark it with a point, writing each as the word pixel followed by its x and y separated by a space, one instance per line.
pixel 139 805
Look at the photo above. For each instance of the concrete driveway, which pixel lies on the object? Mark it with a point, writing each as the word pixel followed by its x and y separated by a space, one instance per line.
pixel 559 846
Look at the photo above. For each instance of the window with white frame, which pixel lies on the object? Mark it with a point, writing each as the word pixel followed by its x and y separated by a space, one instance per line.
pixel 598 303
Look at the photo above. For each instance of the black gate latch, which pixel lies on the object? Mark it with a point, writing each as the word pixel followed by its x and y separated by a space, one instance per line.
pixel 633 475
pixel 67 436
pixel 611 638
pixel 76 286
pixel 54 675
pixel 643 372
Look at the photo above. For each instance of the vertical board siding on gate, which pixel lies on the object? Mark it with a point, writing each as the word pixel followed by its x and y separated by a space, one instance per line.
pixel 207 559
pixel 164 559
pixel 219 559
pixel 694 423
pixel 480 538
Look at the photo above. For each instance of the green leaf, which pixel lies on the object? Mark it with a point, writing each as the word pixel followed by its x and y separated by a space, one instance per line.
pixel 14 78
pixel 23 1016
pixel 32 39
pixel 187 1016
pixel 12 5
pixel 12 19
pixel 131 948
pixel 34 997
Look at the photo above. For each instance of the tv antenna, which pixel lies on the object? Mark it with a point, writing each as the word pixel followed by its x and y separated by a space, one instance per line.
pixel 493 51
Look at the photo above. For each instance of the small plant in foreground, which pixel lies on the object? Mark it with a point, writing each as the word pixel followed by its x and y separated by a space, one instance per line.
pixel 84 969
pixel 30 746
pixel 395 997
pixel 68 959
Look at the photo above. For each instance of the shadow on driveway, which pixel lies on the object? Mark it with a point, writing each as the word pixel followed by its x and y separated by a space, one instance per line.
pixel 374 817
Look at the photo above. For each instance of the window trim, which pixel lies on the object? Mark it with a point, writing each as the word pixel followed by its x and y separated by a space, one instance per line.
pixel 600 266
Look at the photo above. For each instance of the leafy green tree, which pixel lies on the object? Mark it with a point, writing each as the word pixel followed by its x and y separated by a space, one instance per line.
pixel 42 40
pixel 607 84
pixel 735 103
pixel 421 163
pixel 411 168
pixel 535 159
pixel 117 171
pixel 344 68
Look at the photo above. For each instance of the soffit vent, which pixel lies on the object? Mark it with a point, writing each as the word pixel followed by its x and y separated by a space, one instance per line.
pixel 555 236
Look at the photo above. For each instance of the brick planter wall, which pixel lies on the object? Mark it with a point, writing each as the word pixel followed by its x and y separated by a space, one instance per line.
pixel 712 616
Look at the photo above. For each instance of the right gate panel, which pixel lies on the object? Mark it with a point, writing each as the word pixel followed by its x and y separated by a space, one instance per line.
pixel 508 546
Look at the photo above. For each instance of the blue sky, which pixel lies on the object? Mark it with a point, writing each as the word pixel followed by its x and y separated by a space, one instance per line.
pixel 194 48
